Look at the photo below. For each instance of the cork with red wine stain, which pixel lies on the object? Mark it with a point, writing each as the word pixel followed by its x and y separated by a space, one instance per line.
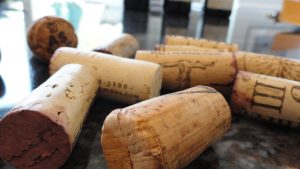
pixel 41 131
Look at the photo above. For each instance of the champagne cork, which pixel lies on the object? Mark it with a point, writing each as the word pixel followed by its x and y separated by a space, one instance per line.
pixel 40 132
pixel 203 43
pixel 269 65
pixel 47 34
pixel 169 131
pixel 125 46
pixel 184 69
pixel 161 47
pixel 269 98
pixel 120 79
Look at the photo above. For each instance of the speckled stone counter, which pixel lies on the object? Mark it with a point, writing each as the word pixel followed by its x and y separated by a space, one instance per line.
pixel 249 144
pixel 252 144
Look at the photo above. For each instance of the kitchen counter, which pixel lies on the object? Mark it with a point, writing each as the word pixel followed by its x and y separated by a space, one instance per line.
pixel 249 144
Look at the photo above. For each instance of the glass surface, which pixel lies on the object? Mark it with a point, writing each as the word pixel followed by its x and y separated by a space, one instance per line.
pixel 249 143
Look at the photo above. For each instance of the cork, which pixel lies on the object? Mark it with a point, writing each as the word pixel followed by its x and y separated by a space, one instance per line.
pixel 203 43
pixel 269 98
pixel 47 34
pixel 167 132
pixel 184 69
pixel 269 65
pixel 125 46
pixel 162 47
pixel 120 79
pixel 41 131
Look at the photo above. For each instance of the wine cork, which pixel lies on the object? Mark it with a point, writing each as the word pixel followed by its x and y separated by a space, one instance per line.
pixel 161 47
pixel 203 43
pixel 269 98
pixel 290 69
pixel 120 79
pixel 184 69
pixel 40 132
pixel 169 131
pixel 125 46
pixel 47 34
pixel 269 65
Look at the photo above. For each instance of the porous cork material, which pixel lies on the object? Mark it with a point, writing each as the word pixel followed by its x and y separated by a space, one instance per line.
pixel 120 79
pixel 30 140
pixel 184 69
pixel 125 46
pixel 268 98
pixel 203 43
pixel 48 33
pixel 41 130
pixel 166 132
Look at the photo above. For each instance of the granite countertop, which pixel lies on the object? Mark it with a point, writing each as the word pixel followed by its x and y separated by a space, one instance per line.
pixel 249 144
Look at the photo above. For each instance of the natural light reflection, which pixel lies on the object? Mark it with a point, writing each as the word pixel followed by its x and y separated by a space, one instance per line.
pixel 96 22
pixel 14 67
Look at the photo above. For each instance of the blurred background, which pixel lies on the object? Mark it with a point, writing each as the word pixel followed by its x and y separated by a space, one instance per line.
pixel 253 25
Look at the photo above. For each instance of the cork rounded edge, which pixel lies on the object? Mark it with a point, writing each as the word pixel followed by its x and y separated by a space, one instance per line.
pixel 114 146
pixel 29 139
pixel 34 43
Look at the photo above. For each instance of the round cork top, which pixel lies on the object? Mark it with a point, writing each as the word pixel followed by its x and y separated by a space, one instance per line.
pixel 49 33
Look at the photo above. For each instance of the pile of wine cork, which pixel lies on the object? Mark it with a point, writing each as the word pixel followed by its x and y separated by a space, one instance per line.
pixel 260 85
pixel 41 131
pixel 49 33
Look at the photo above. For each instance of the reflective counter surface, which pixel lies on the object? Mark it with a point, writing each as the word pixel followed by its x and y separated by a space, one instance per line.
pixel 249 144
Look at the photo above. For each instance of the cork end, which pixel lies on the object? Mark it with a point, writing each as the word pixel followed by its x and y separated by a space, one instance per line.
pixel 115 149
pixel 30 140
pixel 47 34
